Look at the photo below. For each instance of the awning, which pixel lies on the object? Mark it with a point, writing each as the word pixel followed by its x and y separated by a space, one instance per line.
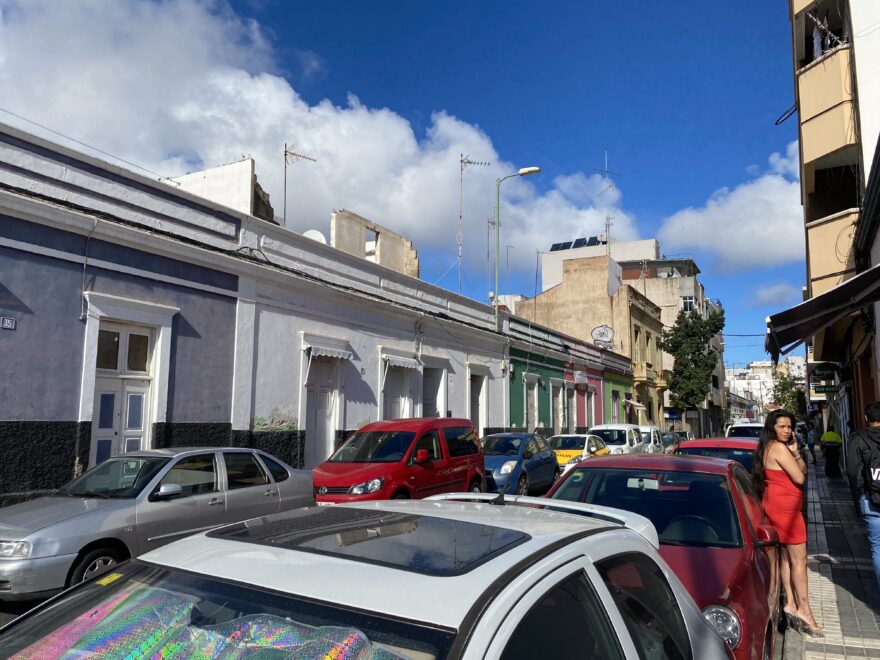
pixel 634 404
pixel 405 363
pixel 326 351
pixel 787 330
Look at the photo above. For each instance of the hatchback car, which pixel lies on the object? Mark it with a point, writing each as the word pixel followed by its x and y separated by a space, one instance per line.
pixel 750 430
pixel 620 438
pixel 732 449
pixel 712 533
pixel 670 441
pixel 572 448
pixel 518 463
pixel 403 458
pixel 419 579
pixel 134 503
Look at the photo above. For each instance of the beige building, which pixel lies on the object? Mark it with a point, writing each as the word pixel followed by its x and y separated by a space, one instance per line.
pixel 626 322
pixel 837 92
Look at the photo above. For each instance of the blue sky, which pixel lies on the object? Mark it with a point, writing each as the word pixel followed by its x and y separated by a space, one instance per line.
pixel 387 94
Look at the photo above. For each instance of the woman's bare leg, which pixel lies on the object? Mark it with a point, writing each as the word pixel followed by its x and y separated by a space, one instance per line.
pixel 791 604
pixel 797 560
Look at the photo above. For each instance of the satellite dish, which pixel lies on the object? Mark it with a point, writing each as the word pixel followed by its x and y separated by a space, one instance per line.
pixel 315 235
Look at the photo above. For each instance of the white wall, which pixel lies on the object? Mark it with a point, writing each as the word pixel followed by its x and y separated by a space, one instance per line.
pixel 551 262
pixel 866 49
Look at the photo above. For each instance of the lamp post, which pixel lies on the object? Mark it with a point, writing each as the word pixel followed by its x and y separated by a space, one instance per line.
pixel 525 171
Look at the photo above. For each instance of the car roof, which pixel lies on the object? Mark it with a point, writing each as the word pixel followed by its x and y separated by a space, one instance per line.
pixel 356 582
pixel 599 427
pixel 707 464
pixel 734 442
pixel 171 452
pixel 416 424
pixel 748 424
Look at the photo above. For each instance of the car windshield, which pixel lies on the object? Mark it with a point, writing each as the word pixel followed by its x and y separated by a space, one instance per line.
pixel 646 436
pixel 669 438
pixel 568 442
pixel 746 457
pixel 745 431
pixel 686 508
pixel 145 611
pixel 501 445
pixel 121 477
pixel 611 436
pixel 374 447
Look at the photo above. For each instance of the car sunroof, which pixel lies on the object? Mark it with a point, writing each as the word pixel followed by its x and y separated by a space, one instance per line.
pixel 422 544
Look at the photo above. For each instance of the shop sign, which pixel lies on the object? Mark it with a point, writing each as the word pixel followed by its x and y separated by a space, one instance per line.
pixel 823 371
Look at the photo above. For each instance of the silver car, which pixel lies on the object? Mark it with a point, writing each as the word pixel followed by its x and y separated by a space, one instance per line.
pixel 135 503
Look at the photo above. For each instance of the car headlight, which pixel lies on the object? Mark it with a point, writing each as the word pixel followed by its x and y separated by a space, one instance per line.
pixel 371 486
pixel 725 622
pixel 507 468
pixel 14 549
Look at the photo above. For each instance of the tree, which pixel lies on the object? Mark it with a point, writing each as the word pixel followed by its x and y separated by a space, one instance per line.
pixel 788 394
pixel 695 360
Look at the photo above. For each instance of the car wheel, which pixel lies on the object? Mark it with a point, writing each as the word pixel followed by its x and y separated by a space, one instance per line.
pixel 522 486
pixel 476 487
pixel 94 563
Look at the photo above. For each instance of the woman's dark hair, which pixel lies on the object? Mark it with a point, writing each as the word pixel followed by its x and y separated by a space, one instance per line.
pixel 768 435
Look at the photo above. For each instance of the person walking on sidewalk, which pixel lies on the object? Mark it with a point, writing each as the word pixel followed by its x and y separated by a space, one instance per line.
pixel 779 474
pixel 831 443
pixel 863 470
pixel 811 440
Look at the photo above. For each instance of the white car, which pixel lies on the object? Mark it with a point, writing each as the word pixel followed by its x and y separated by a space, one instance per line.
pixel 749 430
pixel 620 438
pixel 651 436
pixel 454 576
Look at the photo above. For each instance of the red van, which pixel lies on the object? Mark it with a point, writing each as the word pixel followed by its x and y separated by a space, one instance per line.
pixel 403 458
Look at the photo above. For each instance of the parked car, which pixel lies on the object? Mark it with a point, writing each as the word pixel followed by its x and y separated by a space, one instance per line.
pixel 670 441
pixel 518 463
pixel 135 503
pixel 651 438
pixel 403 458
pixel 417 579
pixel 731 449
pixel 750 430
pixel 712 533
pixel 572 448
pixel 620 438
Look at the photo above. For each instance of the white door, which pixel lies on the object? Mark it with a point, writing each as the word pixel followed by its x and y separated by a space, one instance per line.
pixel 531 406
pixel 320 398
pixel 556 409
pixel 396 394
pixel 121 417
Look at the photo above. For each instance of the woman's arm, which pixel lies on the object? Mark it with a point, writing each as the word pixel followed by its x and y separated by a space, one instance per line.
pixel 790 460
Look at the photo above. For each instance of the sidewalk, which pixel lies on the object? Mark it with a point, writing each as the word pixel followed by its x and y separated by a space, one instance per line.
pixel 843 591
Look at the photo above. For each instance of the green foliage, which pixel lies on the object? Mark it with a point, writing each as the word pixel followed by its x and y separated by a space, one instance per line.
pixel 695 360
pixel 788 394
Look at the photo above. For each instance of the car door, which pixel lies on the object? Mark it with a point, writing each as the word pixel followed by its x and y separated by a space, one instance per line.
pixel 294 486
pixel 458 461
pixel 637 444
pixel 548 460
pixel 201 505
pixel 531 461
pixel 656 442
pixel 250 492
pixel 428 477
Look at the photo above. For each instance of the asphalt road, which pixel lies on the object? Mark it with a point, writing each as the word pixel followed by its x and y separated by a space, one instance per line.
pixel 8 611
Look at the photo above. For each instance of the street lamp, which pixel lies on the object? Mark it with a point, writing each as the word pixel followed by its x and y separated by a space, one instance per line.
pixel 525 171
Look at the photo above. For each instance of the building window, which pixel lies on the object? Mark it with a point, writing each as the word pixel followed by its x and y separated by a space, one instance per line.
pixel 688 303
pixel 615 406
pixel 715 382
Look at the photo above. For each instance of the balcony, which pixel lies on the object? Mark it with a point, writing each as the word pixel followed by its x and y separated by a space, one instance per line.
pixel 825 105
pixel 644 374
pixel 830 250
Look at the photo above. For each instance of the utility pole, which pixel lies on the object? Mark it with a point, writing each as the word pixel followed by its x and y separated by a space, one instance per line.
pixel 290 156
pixel 463 162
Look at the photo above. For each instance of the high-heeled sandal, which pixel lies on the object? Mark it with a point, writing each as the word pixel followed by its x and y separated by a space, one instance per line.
pixel 792 619
pixel 815 632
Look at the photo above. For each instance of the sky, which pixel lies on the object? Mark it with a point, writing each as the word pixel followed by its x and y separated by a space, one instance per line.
pixel 387 95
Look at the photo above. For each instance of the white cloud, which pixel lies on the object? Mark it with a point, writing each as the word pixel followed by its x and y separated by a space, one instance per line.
pixel 776 295
pixel 758 223
pixel 182 85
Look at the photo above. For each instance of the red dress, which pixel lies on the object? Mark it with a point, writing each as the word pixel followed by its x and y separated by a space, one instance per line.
pixel 783 503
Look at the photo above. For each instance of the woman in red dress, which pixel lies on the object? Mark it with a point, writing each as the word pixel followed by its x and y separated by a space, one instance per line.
pixel 779 475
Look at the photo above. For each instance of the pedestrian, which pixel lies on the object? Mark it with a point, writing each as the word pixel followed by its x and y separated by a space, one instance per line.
pixel 811 440
pixel 831 443
pixel 863 470
pixel 779 474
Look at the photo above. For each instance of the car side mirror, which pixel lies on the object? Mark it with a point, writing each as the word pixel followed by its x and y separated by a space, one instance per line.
pixel 422 456
pixel 767 536
pixel 168 492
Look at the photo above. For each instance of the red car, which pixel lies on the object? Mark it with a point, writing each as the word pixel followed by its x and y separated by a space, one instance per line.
pixel 403 458
pixel 733 449
pixel 712 533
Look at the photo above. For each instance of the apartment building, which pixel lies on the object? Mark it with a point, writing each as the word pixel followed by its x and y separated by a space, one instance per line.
pixel 836 56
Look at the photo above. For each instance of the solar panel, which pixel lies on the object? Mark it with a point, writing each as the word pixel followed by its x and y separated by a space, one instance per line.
pixel 592 241
pixel 579 243
pixel 555 247
pixel 566 245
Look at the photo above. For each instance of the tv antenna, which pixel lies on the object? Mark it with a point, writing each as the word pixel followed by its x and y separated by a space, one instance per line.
pixel 609 184
pixel 463 162
pixel 291 156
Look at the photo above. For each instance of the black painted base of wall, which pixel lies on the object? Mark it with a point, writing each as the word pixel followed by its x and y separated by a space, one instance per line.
pixel 581 429
pixel 289 446
pixel 39 457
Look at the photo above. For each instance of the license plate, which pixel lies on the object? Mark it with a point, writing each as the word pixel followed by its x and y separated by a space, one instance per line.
pixel 325 503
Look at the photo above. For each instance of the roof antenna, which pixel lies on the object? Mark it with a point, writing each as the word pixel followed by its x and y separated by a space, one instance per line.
pixel 498 501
